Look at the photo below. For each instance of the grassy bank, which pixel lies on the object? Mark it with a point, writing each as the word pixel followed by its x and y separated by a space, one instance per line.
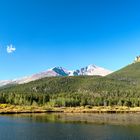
pixel 11 109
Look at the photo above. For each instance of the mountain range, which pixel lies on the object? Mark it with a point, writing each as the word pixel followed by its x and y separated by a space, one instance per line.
pixel 89 70
pixel 60 89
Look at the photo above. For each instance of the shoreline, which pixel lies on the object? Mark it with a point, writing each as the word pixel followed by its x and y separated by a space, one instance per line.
pixel 16 109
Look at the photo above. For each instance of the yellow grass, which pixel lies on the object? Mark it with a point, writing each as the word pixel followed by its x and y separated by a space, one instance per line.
pixel 6 108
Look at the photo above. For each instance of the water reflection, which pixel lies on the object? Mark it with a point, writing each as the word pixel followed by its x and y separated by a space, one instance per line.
pixel 58 126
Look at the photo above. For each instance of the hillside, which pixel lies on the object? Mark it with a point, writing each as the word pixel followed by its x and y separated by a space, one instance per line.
pixel 72 91
pixel 129 73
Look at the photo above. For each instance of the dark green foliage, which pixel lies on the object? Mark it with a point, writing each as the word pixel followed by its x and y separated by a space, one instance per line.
pixel 121 88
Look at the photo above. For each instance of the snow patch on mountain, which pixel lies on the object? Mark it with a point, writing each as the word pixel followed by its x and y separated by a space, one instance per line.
pixel 94 70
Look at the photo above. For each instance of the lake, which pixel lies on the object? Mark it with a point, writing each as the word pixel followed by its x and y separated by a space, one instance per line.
pixel 57 126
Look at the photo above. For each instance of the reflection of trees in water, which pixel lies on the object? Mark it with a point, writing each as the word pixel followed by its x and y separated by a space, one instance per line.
pixel 123 119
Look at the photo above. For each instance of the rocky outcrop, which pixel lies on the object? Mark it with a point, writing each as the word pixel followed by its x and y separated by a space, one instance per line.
pixel 137 59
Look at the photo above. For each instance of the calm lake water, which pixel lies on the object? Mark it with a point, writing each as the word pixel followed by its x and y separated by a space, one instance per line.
pixel 70 127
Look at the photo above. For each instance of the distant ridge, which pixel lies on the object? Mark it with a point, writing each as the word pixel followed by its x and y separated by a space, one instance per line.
pixel 89 70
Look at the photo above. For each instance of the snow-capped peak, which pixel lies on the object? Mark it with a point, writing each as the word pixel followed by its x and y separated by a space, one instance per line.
pixel 93 70
pixel 96 70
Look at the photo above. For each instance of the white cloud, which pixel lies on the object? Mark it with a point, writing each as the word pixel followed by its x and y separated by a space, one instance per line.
pixel 10 49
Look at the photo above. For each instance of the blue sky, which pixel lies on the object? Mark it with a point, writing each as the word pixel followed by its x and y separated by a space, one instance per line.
pixel 68 33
